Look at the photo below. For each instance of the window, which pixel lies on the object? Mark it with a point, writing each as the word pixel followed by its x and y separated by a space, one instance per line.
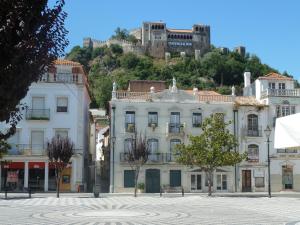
pixel 152 119
pixel 130 121
pixel 253 153
pixel 37 141
pixel 174 126
pixel 271 85
pixel 62 133
pixel 129 178
pixel 281 85
pixel 171 156
pixel 175 178
pixel 252 129
pixel 259 182
pixel 285 110
pixel 153 149
pixel 221 182
pixel 128 145
pixel 153 145
pixel 197 119
pixel 196 182
pixel 62 104
pixel 38 108
pixel 173 144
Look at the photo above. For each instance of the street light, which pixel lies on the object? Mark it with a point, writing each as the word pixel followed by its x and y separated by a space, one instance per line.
pixel 268 133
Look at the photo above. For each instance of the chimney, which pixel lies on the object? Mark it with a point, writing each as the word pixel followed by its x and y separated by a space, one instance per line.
pixel 247 78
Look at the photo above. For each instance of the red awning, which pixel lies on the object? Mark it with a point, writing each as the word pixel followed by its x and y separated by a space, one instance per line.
pixel 36 165
pixel 14 165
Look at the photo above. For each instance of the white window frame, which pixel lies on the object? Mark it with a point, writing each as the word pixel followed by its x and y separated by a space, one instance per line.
pixel 57 100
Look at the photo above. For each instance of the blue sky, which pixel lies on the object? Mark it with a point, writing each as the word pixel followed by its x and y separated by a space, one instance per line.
pixel 268 28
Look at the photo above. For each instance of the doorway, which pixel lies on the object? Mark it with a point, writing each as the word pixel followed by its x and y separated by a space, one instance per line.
pixel 152 181
pixel 287 177
pixel 246 180
pixel 196 182
pixel 221 182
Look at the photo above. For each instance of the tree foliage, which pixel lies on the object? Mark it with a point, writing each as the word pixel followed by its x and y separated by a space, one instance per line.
pixel 215 70
pixel 212 149
pixel 137 156
pixel 32 35
pixel 59 151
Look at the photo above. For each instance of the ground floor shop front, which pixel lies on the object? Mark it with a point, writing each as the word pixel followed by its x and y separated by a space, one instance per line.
pixel 38 176
pixel 174 178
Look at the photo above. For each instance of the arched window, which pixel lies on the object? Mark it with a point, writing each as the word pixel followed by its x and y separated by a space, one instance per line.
pixel 253 153
pixel 252 129
pixel 171 156
pixel 173 143
pixel 153 145
pixel 128 145
pixel 153 156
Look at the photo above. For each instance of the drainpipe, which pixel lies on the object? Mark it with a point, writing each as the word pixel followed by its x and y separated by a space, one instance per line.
pixel 112 153
pixel 235 131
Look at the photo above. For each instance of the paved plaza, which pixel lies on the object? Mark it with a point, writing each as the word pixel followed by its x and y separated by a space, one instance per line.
pixel 148 209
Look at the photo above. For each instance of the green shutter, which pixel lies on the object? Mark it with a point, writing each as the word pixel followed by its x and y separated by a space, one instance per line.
pixel 129 178
pixel 175 178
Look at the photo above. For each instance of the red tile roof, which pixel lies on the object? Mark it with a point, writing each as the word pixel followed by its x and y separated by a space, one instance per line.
pixel 274 76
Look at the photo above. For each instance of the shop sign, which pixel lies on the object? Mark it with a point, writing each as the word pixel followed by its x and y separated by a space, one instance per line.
pixel 12 176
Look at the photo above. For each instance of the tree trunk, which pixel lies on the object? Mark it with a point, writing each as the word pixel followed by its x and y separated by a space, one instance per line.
pixel 209 182
pixel 136 180
pixel 58 174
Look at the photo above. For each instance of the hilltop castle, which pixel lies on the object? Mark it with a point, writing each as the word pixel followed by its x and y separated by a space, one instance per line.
pixel 159 41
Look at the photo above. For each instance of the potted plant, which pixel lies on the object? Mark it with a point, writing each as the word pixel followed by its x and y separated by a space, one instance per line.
pixel 141 187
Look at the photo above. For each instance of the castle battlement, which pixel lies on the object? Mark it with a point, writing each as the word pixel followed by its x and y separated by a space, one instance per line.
pixel 157 40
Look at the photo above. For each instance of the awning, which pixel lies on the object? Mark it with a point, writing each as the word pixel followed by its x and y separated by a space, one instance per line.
pixel 287 132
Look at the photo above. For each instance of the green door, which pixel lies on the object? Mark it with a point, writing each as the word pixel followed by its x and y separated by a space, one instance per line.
pixel 152 181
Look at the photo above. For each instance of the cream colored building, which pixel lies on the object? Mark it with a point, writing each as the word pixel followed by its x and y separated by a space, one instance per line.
pixel 169 116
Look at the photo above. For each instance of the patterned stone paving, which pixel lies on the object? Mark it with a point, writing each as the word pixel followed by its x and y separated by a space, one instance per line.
pixel 119 210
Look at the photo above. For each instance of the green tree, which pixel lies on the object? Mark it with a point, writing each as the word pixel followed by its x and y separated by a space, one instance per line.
pixel 32 35
pixel 81 55
pixel 212 149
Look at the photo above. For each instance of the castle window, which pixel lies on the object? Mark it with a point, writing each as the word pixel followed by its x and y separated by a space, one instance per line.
pixel 152 27
pixel 197 28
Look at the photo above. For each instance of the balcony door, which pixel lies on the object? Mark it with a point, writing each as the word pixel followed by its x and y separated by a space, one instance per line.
pixel 153 148
pixel 175 122
pixel 37 142
pixel 196 182
pixel 252 125
pixel 38 107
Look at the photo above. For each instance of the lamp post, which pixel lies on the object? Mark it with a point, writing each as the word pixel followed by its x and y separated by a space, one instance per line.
pixel 268 133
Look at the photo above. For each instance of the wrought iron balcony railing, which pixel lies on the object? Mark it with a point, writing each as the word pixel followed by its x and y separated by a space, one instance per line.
pixel 38 114
pixel 252 132
pixel 27 149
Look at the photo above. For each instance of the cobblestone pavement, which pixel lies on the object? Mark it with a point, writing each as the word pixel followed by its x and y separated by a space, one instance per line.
pixel 144 210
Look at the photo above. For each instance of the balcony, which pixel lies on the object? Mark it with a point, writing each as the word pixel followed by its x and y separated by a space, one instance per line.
pixel 130 127
pixel 253 158
pixel 280 93
pixel 37 114
pixel 26 150
pixel 63 78
pixel 252 132
pixel 170 157
pixel 152 158
pixel 287 151
pixel 175 128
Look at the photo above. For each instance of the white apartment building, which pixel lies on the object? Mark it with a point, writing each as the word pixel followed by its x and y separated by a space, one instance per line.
pixel 56 105
pixel 169 116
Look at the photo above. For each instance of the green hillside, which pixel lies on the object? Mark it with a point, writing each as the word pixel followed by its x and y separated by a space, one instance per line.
pixel 214 71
